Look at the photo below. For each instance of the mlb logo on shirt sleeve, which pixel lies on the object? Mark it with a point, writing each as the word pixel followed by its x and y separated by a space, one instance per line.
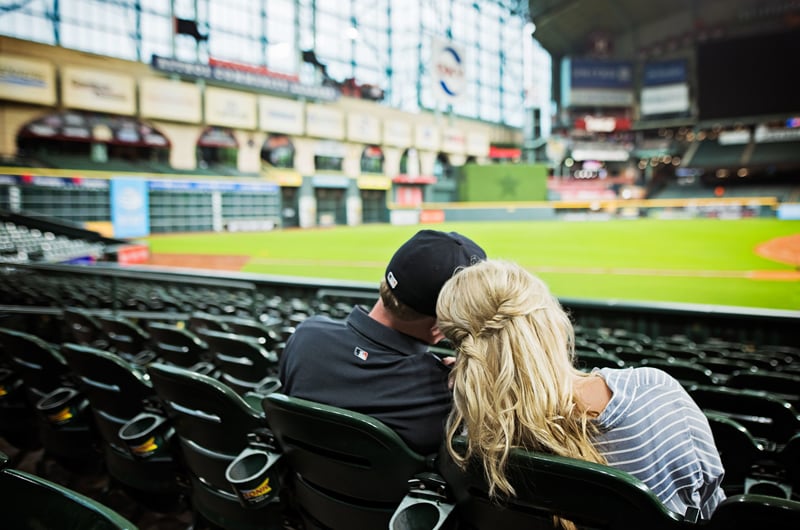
pixel 361 353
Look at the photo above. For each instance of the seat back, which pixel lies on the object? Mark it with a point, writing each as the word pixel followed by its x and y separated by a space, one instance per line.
pixel 30 501
pixel 243 362
pixel 37 362
pixel 738 450
pixel 785 386
pixel 587 359
pixel 199 322
pixel 214 425
pixel 266 335
pixel 82 327
pixel 116 390
pixel 211 420
pixel 686 372
pixel 350 470
pixel 745 512
pixel 118 393
pixel 65 427
pixel 764 415
pixel 123 335
pixel 177 346
pixel 590 495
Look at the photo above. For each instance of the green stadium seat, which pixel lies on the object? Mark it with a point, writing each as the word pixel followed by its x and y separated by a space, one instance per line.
pixel 126 338
pixel 348 470
pixel 214 425
pixel 765 416
pixel 744 458
pixel 178 346
pixel 82 327
pixel 587 359
pixel 243 363
pixel 31 503
pixel 686 372
pixel 746 512
pixel 588 494
pixel 785 386
pixel 119 392
pixel 66 430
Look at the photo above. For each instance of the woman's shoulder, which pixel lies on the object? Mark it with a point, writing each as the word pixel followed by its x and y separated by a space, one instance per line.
pixel 636 377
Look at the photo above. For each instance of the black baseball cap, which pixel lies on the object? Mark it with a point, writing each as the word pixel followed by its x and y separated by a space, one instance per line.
pixel 422 265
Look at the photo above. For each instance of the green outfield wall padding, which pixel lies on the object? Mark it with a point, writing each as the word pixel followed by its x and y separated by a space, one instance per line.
pixel 504 182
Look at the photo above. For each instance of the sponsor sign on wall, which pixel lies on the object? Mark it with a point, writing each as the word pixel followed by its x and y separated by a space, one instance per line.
pixel 665 99
pixel 220 71
pixel 279 115
pixel 165 99
pixel 670 72
pixel 230 108
pixel 477 144
pixel 397 133
pixel 453 141
pixel 363 127
pixel 28 80
pixel 130 213
pixel 427 137
pixel 449 77
pixel 97 90
pixel 596 83
pixel 324 122
pixel 665 88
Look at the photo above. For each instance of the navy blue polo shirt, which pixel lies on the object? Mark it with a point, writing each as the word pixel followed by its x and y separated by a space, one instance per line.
pixel 361 365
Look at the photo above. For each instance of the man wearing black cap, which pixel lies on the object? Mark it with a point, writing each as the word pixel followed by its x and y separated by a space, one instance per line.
pixel 377 362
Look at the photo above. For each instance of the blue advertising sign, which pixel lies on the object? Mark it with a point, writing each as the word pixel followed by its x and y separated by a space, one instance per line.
pixel 591 73
pixel 130 207
pixel 665 73
pixel 213 185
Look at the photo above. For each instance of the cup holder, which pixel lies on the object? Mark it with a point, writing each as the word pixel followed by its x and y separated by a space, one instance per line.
pixel 254 477
pixel 61 405
pixel 146 435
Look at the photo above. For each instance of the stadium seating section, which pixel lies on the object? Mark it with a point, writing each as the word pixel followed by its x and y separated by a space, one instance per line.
pixel 164 384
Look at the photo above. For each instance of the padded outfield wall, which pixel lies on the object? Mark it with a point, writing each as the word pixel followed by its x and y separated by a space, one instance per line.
pixel 503 183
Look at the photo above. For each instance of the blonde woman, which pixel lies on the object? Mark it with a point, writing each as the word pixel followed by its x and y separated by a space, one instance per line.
pixel 515 385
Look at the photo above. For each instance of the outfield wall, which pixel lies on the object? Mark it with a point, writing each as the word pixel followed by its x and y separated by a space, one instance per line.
pixel 722 208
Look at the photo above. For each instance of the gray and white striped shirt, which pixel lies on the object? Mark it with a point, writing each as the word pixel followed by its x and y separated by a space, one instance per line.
pixel 652 429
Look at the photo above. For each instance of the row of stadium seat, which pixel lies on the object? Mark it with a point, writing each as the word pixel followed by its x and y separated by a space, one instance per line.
pixel 166 433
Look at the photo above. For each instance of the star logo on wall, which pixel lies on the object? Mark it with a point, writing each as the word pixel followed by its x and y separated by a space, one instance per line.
pixel 508 186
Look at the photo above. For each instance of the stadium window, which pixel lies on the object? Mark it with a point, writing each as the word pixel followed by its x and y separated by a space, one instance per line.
pixel 372 159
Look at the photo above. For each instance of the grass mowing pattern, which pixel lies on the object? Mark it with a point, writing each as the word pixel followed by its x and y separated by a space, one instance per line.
pixel 703 261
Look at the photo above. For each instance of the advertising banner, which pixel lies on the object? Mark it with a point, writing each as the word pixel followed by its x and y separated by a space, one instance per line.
pixel 454 141
pixel 245 77
pixel 449 76
pixel 397 133
pixel 130 207
pixel 597 83
pixel 28 80
pixel 97 90
pixel 324 122
pixel 665 99
pixel 165 99
pixel 230 108
pixel 665 73
pixel 278 115
pixel 363 127
pixel 427 137
pixel 477 144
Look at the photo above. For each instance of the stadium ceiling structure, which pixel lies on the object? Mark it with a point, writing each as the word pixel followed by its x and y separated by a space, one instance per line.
pixel 563 27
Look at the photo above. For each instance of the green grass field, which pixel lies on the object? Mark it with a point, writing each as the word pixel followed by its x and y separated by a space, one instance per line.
pixel 704 261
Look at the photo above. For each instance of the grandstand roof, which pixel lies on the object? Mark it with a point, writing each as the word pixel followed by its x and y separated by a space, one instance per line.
pixel 564 27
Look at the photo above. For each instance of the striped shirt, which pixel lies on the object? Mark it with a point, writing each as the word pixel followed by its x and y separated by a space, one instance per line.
pixel 652 429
